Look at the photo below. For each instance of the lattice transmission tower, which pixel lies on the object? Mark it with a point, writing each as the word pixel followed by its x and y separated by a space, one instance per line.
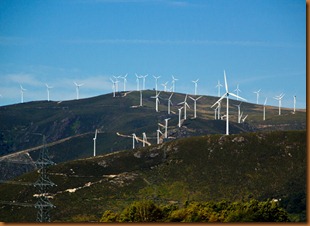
pixel 43 184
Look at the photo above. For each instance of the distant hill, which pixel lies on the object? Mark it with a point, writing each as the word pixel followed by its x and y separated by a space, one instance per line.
pixel 70 125
pixel 260 165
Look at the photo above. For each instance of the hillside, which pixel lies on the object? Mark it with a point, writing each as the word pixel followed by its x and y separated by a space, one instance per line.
pixel 258 165
pixel 70 125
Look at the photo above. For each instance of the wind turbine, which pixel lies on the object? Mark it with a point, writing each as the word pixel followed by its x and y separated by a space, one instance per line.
pixel 156 78
pixel 227 94
pixel 244 118
pixel 48 91
pixel 257 95
pixel 166 127
pixel 237 90
pixel 173 83
pixel 264 115
pixel 195 105
pixel 134 137
pixel 157 100
pixel 180 112
pixel 165 86
pixel 22 90
pixel 143 80
pixel 95 138
pixel 239 115
pixel 158 132
pixel 185 105
pixel 114 86
pixel 169 103
pixel 144 139
pixel 78 89
pixel 294 103
pixel 279 98
pixel 138 82
pixel 196 86
pixel 218 86
pixel 140 98
pixel 125 81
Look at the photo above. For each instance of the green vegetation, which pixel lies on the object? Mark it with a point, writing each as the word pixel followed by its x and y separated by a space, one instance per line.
pixel 251 211
pixel 206 169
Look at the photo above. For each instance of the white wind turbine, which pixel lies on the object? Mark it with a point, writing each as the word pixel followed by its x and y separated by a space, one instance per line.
pixel 195 105
pixel 158 135
pixel 77 87
pixel 279 98
pixel 257 95
pixel 125 81
pixel 166 127
pixel 144 139
pixel 141 98
pixel 264 114
pixel 173 83
pixel 157 100
pixel 165 86
pixel 169 103
pixel 185 105
pixel 237 90
pixel 48 91
pixel 294 103
pixel 156 80
pixel 138 82
pixel 134 137
pixel 114 86
pixel 22 90
pixel 95 138
pixel 180 112
pixel 227 94
pixel 244 118
pixel 218 86
pixel 143 81
pixel 239 114
pixel 196 84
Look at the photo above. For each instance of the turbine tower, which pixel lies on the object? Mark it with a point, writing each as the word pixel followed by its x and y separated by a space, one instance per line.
pixel 279 98
pixel 22 90
pixel 134 137
pixel 138 82
pixel 239 114
pixel 95 138
pixel 114 86
pixel 48 91
pixel 264 115
pixel 166 127
pixel 195 82
pixel 125 81
pixel 173 83
pixel 141 98
pixel 156 80
pixel 169 103
pixel 237 90
pixel 218 86
pixel 143 80
pixel 157 100
pixel 227 94
pixel 195 105
pixel 77 89
pixel 294 103
pixel 165 86
pixel 257 95
pixel 158 133
pixel 180 112
pixel 185 105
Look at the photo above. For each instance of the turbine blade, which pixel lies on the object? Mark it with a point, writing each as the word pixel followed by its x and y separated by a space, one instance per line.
pixel 226 86
pixel 218 100
pixel 234 95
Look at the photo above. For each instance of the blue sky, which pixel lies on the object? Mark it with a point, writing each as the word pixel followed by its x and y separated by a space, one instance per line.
pixel 260 43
